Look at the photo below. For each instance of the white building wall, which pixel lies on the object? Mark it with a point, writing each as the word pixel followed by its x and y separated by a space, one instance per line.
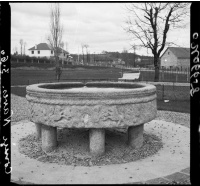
pixel 63 56
pixel 43 53
pixel 168 59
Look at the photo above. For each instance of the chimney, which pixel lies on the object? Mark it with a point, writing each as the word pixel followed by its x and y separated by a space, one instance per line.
pixel 36 47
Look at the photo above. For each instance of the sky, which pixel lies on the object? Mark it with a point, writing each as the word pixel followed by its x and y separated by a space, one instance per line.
pixel 99 25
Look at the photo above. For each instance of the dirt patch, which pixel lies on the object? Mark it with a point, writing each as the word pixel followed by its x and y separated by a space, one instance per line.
pixel 73 148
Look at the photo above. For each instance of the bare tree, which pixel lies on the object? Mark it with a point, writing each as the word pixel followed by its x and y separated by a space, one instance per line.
pixel 134 48
pixel 55 37
pixel 62 46
pixel 125 56
pixel 24 48
pixel 21 44
pixel 86 48
pixel 82 47
pixel 149 24
pixel 66 46
pixel 15 50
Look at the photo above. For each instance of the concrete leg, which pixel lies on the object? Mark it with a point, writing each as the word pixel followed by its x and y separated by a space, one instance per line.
pixel 135 136
pixel 49 138
pixel 38 130
pixel 97 141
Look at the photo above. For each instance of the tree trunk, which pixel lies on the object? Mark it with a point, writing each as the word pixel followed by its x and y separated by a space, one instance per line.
pixel 156 77
pixel 58 68
pixel 157 66
pixel 58 73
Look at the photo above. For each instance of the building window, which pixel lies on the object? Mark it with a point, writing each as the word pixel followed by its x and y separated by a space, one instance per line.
pixel 51 51
pixel 64 54
pixel 38 52
pixel 168 53
pixel 32 52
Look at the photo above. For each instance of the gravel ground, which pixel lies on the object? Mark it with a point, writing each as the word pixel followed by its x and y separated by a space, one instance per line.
pixel 19 106
pixel 73 148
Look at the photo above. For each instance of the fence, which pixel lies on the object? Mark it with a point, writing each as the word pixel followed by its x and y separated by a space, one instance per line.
pixel 173 91
pixel 165 75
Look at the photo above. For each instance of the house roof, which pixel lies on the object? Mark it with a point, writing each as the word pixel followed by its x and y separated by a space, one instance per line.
pixel 179 52
pixel 45 46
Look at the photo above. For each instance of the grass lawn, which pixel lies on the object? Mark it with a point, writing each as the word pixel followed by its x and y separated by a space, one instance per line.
pixel 26 77
pixel 176 106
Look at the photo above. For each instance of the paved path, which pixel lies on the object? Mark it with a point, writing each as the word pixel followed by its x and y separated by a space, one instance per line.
pixel 171 163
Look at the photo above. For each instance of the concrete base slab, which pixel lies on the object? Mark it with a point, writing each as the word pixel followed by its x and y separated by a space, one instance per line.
pixel 173 157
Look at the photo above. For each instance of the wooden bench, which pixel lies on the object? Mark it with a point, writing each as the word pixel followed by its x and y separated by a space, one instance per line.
pixel 129 76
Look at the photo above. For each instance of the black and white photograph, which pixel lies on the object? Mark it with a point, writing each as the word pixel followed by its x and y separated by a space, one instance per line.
pixel 100 92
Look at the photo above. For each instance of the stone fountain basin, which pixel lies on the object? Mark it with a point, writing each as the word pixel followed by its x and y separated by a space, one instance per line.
pixel 92 105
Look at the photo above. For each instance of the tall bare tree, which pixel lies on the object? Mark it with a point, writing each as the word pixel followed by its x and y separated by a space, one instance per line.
pixel 24 48
pixel 66 46
pixel 62 46
pixel 86 48
pixel 82 47
pixel 21 44
pixel 149 23
pixel 15 50
pixel 55 37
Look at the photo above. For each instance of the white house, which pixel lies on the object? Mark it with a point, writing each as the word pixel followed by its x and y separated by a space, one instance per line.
pixel 44 50
pixel 175 57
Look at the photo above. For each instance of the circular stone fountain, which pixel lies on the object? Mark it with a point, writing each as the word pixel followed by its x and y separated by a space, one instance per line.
pixel 94 105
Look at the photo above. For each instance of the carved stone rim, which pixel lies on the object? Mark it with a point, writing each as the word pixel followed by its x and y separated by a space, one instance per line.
pixel 143 90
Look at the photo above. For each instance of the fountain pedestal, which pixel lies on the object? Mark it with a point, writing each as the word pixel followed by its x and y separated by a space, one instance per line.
pixel 38 130
pixel 135 136
pixel 49 138
pixel 97 141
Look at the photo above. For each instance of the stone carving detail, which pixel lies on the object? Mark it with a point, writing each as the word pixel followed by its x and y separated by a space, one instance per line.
pixel 97 116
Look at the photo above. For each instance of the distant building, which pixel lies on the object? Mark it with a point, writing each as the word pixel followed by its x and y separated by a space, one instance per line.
pixel 138 60
pixel 44 50
pixel 118 63
pixel 174 57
